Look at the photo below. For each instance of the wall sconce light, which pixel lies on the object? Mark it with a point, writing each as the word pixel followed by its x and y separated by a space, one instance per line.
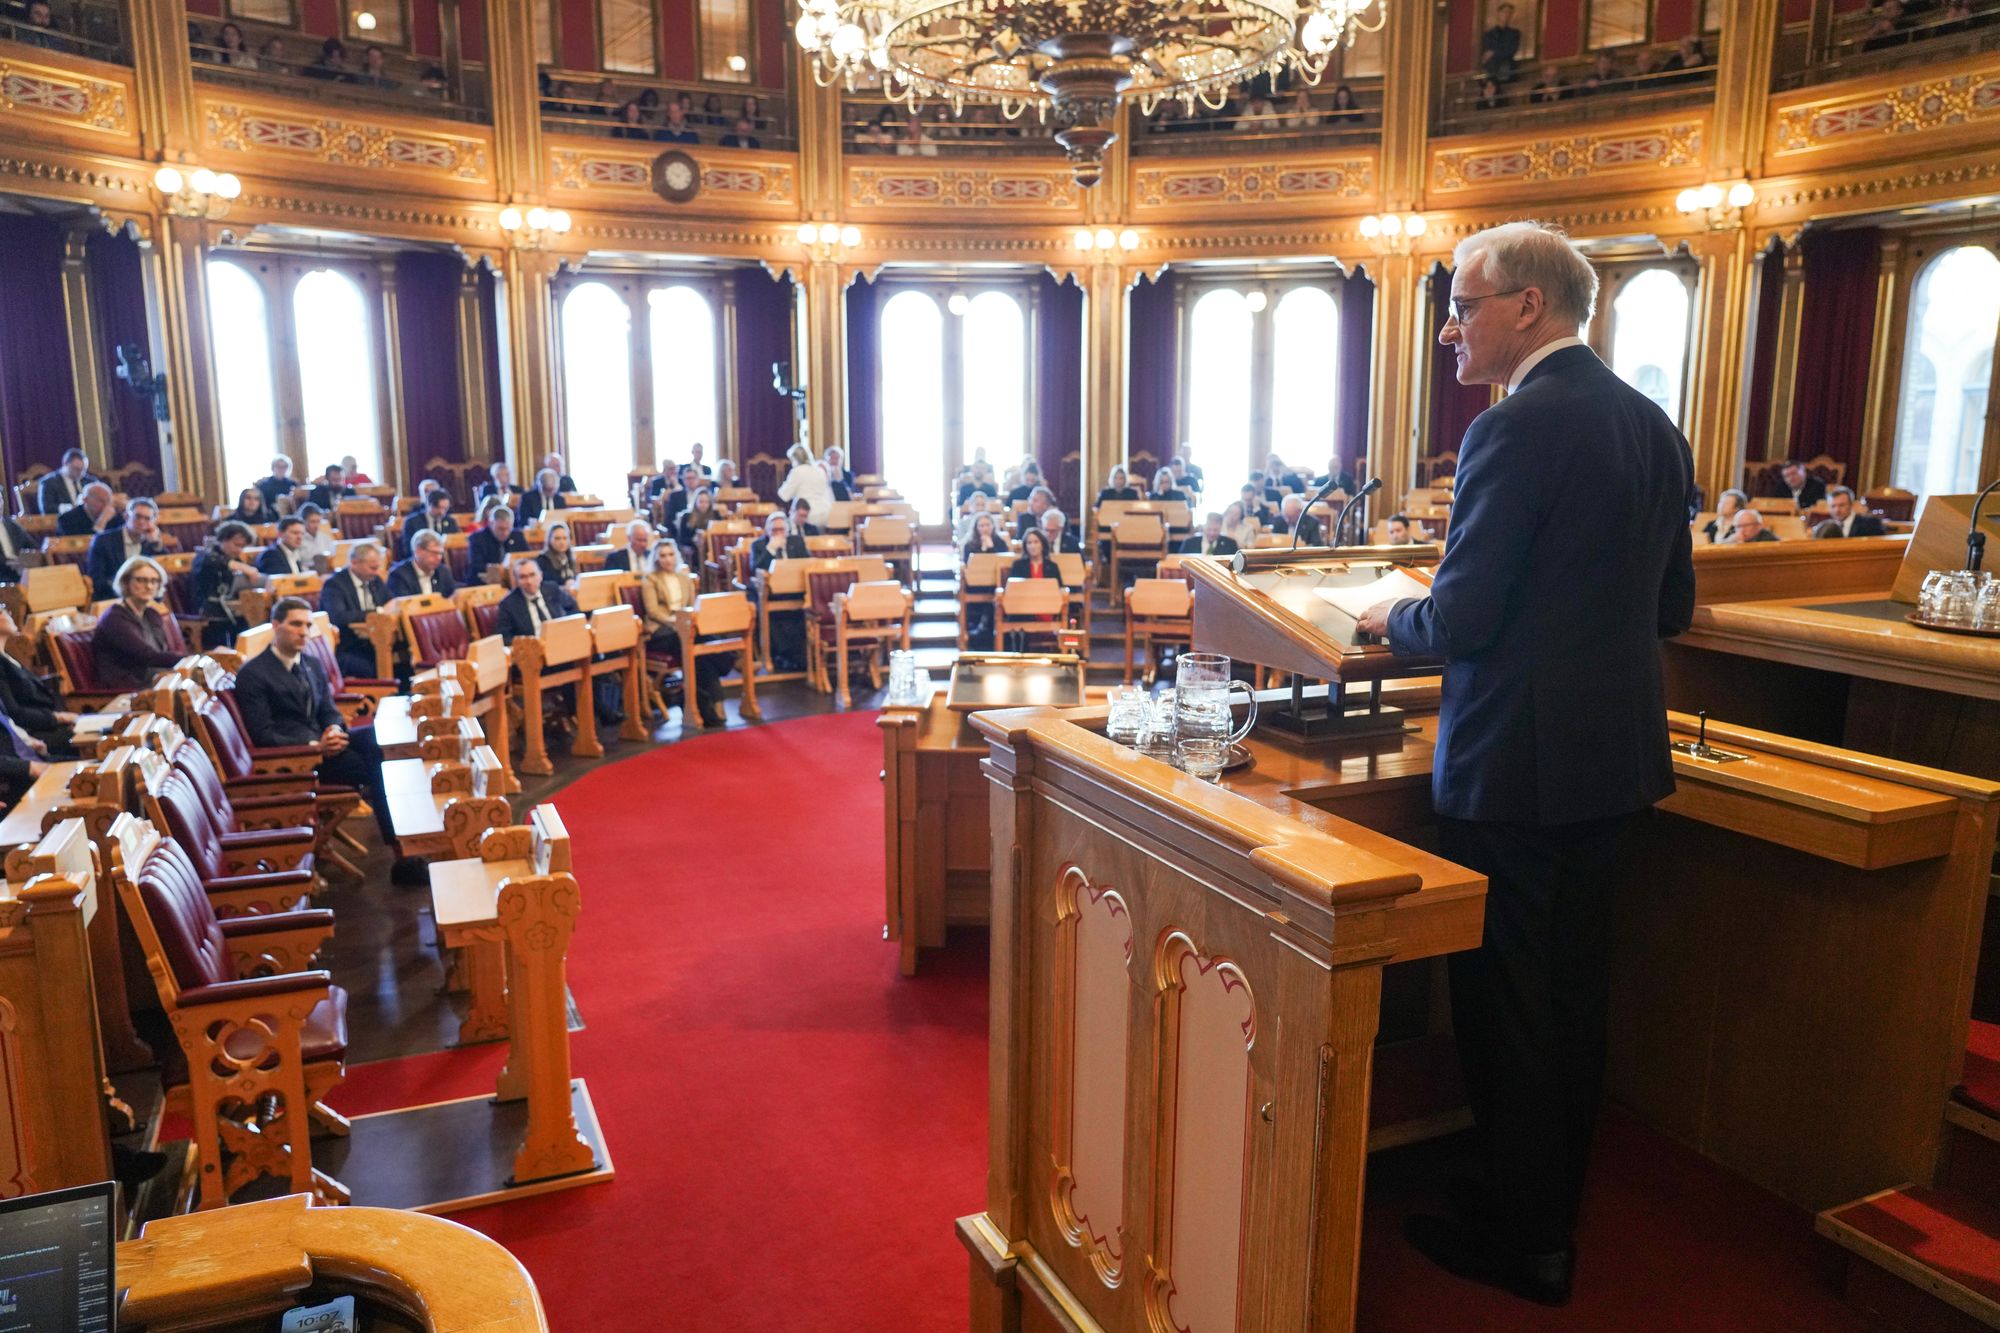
pixel 1720 205
pixel 826 240
pixel 1392 231
pixel 1106 240
pixel 196 192
pixel 533 228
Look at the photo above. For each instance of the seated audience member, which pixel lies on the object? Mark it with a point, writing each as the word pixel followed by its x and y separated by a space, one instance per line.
pixel 532 602
pixel 638 552
pixel 61 489
pixel 978 482
pixel 131 645
pixel 139 534
pixel 837 469
pixel 564 482
pixel 1399 530
pixel 1550 88
pixel 977 506
pixel 801 519
pixel 1118 486
pixel 1750 527
pixel 14 543
pixel 1240 525
pixel 1955 18
pixel 499 485
pixel 1031 477
pixel 779 542
pixel 1283 477
pixel 1257 506
pixel 351 468
pixel 1040 501
pixel 1055 527
pixel 695 451
pixel 347 598
pixel 320 537
pixel 26 698
pixel 220 572
pixel 330 489
pixel 1164 490
pixel 696 517
pixel 742 135
pixel 1490 97
pixel 1721 529
pixel 557 556
pixel 664 592
pixel 788 629
pixel 286 699
pixel 425 571
pixel 492 544
pixel 984 539
pixel 1806 490
pixel 1688 56
pixel 546 497
pixel 1210 540
pixel 1036 560
pixel 1343 478
pixel 332 63
pixel 726 478
pixel 37 28
pixel 1292 517
pixel 278 486
pixel 434 515
pixel 1849 518
pixel 677 503
pixel 250 508
pixel 1186 473
pixel 92 514
pixel 1886 28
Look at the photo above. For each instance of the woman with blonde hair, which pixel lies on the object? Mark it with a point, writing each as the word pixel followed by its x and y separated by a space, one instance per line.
pixel 807 480
pixel 665 590
pixel 134 642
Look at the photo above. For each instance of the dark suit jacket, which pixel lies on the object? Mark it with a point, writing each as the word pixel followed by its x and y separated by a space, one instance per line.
pixel 30 702
pixel 1810 494
pixel 275 489
pixel 485 549
pixel 487 488
pixel 107 552
pixel 1110 493
pixel 1221 546
pixel 566 484
pixel 125 658
pixel 341 600
pixel 273 561
pixel 402 580
pixel 51 494
pixel 75 522
pixel 283 707
pixel 1020 570
pixel 531 505
pixel 795 549
pixel 326 497
pixel 10 571
pixel 515 619
pixel 417 520
pixel 1310 531
pixel 1553 710
pixel 1865 525
pixel 1069 543
pixel 1764 535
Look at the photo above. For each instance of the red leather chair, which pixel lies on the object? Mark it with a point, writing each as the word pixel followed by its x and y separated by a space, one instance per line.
pixel 245 812
pixel 438 636
pixel 355 696
pixel 261 1039
pixel 284 770
pixel 822 630
pixel 486 618
pixel 248 872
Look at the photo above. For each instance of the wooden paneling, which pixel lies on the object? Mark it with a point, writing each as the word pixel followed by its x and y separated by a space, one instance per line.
pixel 1887 118
pixel 1666 152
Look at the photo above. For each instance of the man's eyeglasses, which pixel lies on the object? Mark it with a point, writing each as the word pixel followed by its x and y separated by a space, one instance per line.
pixel 1461 306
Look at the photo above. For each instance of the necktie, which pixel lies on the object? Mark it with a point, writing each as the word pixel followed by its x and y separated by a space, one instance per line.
pixel 541 613
pixel 361 588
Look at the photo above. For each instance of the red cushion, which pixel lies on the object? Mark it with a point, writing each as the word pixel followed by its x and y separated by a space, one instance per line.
pixel 324 1036
pixel 78 657
pixel 190 823
pixel 225 731
pixel 1981 1086
pixel 193 762
pixel 823 587
pixel 440 636
pixel 486 619
pixel 182 917
pixel 322 648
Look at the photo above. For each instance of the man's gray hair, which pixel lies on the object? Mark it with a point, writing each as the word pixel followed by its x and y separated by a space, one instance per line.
pixel 426 539
pixel 1520 255
pixel 362 550
pixel 1053 517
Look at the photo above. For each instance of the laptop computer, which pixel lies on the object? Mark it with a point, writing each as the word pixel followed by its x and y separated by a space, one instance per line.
pixel 57 1252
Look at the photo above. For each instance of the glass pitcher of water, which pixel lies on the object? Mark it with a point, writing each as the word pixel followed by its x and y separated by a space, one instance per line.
pixel 1202 690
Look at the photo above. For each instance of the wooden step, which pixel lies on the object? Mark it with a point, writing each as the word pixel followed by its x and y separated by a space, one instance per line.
pixel 1942 1246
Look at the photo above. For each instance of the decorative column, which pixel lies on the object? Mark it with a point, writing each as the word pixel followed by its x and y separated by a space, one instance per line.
pixel 1409 46
pixel 821 361
pixel 528 275
pixel 1885 372
pixel 1742 87
pixel 1105 325
pixel 177 282
pixel 1785 361
pixel 85 368
pixel 516 100
pixel 162 77
pixel 1719 348
pixel 476 431
pixel 389 370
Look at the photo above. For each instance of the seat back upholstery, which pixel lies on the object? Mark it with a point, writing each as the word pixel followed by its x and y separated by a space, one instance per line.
pixel 76 660
pixel 177 805
pixel 822 586
pixel 181 915
pixel 322 648
pixel 192 762
pixel 226 736
pixel 437 635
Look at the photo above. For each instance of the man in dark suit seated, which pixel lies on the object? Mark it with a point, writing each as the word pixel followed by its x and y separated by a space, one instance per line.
pixel 492 544
pixel 62 488
pixel 546 496
pixel 286 699
pixel 694 459
pixel 1749 524
pixel 1031 477
pixel 139 534
pixel 26 698
pixel 637 555
pixel 287 555
pixel 532 602
pixel 801 518
pixel 1849 518
pixel 425 571
pixel 1055 526
pixel 347 598
pixel 1040 501
pixel 564 482
pixel 500 484
pixel 1806 490
pixel 434 515
pixel 330 489
pixel 1552 734
pixel 1341 477
pixel 1292 517
pixel 14 543
pixel 677 503
pixel 1209 541
pixel 779 542
pixel 277 486
pixel 92 514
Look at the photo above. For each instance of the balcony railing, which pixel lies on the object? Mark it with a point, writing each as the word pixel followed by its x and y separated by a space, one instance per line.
pixel 412 87
pixel 639 109
pixel 1579 93
pixel 91 28
pixel 1320 117
pixel 1870 42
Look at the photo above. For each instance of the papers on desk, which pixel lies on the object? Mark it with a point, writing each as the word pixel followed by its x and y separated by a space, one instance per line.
pixel 1392 586
pixel 96 724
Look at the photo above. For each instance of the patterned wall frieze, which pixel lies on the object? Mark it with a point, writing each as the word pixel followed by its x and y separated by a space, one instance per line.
pixel 1316 184
pixel 1613 155
pixel 1893 117
pixel 117 185
pixel 604 177
pixel 987 185
pixel 258 206
pixel 1796 200
pixel 302 136
pixel 51 95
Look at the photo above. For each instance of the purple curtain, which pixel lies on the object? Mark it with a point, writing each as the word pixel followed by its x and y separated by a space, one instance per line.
pixel 427 284
pixel 37 390
pixel 1355 370
pixel 763 335
pixel 1836 332
pixel 118 309
pixel 1764 351
pixel 864 409
pixel 1152 382
pixel 1059 390
pixel 1453 405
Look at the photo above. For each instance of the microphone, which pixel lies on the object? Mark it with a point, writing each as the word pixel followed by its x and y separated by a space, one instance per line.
pixel 1324 491
pixel 1975 540
pixel 1340 522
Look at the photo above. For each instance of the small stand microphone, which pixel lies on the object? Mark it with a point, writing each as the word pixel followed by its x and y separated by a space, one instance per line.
pixel 1324 491
pixel 1340 522
pixel 1975 540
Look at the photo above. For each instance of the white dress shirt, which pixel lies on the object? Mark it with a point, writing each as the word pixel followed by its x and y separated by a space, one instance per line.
pixel 1536 357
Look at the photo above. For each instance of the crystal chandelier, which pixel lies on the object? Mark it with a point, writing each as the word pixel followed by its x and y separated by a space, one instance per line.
pixel 1073 61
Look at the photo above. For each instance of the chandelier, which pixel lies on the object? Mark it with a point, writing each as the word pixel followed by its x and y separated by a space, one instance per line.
pixel 1072 62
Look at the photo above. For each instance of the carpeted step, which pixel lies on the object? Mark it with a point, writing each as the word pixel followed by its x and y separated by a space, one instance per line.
pixel 1980 1086
pixel 933 632
pixel 936 608
pixel 1942 1244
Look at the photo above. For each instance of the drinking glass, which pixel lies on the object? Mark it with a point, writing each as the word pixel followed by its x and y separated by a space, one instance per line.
pixel 1955 598
pixel 1201 757
pixel 1986 606
pixel 1156 734
pixel 1927 597
pixel 1202 689
pixel 1127 716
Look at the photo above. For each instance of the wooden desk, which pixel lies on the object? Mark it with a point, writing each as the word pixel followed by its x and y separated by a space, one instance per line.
pixel 23 823
pixel 429 822
pixel 934 799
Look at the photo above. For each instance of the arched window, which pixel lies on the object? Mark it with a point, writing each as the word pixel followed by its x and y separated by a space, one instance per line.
pixel 686 409
pixel 1948 372
pixel 1219 392
pixel 597 387
pixel 913 402
pixel 336 372
pixel 240 329
pixel 1649 337
pixel 1305 344
pixel 996 377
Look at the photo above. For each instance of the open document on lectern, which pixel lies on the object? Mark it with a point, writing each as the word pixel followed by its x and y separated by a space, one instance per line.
pixel 1392 586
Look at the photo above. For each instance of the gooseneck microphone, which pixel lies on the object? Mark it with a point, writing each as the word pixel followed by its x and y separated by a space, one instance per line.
pixel 1340 523
pixel 1975 540
pixel 1324 491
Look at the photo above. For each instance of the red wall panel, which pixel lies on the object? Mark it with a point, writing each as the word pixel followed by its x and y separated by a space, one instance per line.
pixel 211 8
pixel 472 30
pixel 1798 11
pixel 1674 19
pixel 680 59
pixel 424 31
pixel 321 18
pixel 1461 40
pixel 578 23
pixel 1562 29
pixel 774 43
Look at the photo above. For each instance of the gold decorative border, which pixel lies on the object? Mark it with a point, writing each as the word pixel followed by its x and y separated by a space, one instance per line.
pixel 1199 186
pixel 995 185
pixel 64 97
pixel 1105 1252
pixel 1511 164
pixel 1875 118
pixel 728 178
pixel 235 126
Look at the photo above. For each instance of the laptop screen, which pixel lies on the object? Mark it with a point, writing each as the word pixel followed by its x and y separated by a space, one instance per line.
pixel 56 1255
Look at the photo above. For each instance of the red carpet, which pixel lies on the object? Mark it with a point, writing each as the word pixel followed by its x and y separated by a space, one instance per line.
pixel 794 1126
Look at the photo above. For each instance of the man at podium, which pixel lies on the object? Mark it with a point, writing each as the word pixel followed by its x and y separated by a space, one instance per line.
pixel 1552 732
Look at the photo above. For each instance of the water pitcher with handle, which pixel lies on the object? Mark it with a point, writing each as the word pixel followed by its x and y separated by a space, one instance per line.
pixel 1202 690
